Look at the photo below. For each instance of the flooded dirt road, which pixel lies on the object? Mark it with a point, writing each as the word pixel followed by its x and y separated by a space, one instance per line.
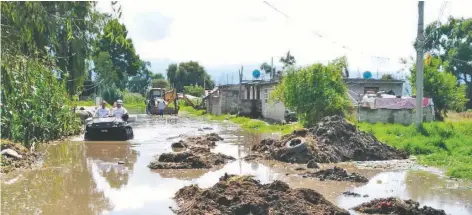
pixel 113 178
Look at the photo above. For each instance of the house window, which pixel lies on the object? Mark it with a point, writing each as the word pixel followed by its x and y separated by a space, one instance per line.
pixel 372 89
pixel 266 95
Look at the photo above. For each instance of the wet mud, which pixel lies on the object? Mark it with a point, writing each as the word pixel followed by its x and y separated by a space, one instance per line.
pixel 193 158
pixel 245 195
pixel 332 140
pixel 208 140
pixel 396 206
pixel 15 156
pixel 335 174
pixel 89 176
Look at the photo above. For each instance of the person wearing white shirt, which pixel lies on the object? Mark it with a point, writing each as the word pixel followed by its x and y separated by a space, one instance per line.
pixel 160 106
pixel 120 111
pixel 103 111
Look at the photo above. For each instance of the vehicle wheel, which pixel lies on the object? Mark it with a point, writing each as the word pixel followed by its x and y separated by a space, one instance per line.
pixel 295 145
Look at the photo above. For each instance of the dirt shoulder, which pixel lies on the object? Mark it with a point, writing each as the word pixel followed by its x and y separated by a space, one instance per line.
pixel 245 195
pixel 16 156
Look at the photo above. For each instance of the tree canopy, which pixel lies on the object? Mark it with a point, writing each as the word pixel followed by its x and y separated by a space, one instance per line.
pixel 313 92
pixel 441 86
pixel 188 73
pixel 452 43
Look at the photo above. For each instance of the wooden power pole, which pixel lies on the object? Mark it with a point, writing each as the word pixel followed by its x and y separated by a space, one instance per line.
pixel 419 65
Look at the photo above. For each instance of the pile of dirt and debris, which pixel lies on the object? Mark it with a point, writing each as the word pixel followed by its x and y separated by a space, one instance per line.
pixel 15 155
pixel 396 206
pixel 245 195
pixel 205 140
pixel 335 174
pixel 332 140
pixel 192 158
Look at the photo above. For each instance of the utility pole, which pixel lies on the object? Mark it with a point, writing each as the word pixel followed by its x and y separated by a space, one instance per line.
pixel 272 69
pixel 240 89
pixel 419 65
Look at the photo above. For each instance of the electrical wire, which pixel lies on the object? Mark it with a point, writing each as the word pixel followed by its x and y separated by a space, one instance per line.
pixel 318 34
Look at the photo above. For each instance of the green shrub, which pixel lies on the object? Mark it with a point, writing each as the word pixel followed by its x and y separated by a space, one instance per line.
pixel 36 106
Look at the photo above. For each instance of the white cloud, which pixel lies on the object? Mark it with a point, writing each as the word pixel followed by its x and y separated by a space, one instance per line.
pixel 229 33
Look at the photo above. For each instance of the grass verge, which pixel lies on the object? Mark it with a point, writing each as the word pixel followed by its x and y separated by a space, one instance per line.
pixel 442 144
pixel 247 124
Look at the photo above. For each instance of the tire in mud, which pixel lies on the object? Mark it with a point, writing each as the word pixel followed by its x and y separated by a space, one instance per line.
pixel 296 145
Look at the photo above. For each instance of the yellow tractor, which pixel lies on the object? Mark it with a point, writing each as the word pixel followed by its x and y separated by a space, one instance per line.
pixel 156 95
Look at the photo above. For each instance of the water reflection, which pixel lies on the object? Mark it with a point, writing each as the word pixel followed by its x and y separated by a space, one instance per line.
pixel 112 177
pixel 426 188
pixel 67 188
pixel 114 160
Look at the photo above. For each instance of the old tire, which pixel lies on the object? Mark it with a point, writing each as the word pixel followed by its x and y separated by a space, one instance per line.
pixel 295 145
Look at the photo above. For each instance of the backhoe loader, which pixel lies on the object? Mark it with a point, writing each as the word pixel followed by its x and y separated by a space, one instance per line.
pixel 170 96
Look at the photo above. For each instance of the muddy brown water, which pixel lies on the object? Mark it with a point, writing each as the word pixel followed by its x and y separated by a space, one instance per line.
pixel 86 178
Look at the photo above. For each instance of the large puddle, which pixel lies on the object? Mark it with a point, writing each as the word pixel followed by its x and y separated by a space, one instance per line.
pixel 86 178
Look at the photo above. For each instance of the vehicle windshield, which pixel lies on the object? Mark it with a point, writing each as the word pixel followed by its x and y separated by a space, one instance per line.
pixel 156 93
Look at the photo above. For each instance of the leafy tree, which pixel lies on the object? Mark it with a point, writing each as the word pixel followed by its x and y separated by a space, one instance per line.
pixel 141 82
pixel 452 43
pixel 194 90
pixel 115 41
pixel 160 83
pixel 288 60
pixel 441 86
pixel 313 92
pixel 188 73
pixel 341 64
pixel 58 32
pixel 157 76
pixel 387 77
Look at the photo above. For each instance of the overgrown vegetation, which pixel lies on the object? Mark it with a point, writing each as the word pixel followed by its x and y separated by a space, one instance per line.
pixel 194 90
pixel 36 106
pixel 442 144
pixel 452 43
pixel 314 92
pixel 247 124
pixel 441 86
pixel 188 73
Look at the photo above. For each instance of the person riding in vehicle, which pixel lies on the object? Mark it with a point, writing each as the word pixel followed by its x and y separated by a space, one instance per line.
pixel 103 111
pixel 120 111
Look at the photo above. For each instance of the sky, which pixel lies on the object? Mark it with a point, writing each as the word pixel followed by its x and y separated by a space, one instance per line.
pixel 224 35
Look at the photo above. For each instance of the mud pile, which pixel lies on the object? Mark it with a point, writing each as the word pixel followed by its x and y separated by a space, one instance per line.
pixel 208 140
pixel 278 150
pixel 245 195
pixel 336 174
pixel 332 140
pixel 396 206
pixel 193 158
pixel 15 155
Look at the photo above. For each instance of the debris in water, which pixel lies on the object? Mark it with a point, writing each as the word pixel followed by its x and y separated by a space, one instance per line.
pixel 208 140
pixel 245 195
pixel 335 174
pixel 312 165
pixel 193 158
pixel 396 206
pixel 349 193
pixel 332 140
pixel 14 155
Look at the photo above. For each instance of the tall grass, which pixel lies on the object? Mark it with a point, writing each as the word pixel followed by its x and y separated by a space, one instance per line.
pixel 36 106
pixel 442 144
pixel 247 124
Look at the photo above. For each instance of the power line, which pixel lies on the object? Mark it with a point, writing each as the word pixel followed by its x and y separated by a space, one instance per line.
pixel 318 34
